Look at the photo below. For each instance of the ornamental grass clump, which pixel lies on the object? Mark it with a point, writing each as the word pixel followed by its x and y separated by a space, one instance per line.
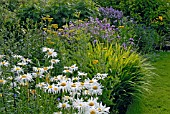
pixel 34 87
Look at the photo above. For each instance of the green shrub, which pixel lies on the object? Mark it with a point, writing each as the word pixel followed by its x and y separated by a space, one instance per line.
pixel 62 11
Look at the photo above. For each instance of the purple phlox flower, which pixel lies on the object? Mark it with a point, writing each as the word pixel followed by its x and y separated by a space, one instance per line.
pixel 131 39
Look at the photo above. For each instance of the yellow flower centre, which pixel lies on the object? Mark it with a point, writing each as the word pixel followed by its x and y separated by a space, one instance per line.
pixel 91 81
pixel 95 87
pixel 91 104
pixel 99 109
pixel 44 29
pixel 53 60
pixel 38 69
pixel 93 112
pixel 1 81
pixel 82 83
pixel 73 85
pixel 45 68
pixel 18 68
pixel 63 84
pixel 67 70
pixel 24 76
pixel 37 73
pixel 64 105
pixel 3 63
pixel 50 86
pixel 55 89
pixel 50 53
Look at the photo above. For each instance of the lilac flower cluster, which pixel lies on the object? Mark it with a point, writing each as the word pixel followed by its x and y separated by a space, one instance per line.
pixel 110 13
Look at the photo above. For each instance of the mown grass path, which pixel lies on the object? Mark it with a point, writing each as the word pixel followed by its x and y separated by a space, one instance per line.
pixel 158 101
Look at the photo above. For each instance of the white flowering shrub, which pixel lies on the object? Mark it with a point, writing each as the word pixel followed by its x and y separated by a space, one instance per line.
pixel 27 86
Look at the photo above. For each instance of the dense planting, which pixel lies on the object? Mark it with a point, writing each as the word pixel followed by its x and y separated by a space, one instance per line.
pixel 73 56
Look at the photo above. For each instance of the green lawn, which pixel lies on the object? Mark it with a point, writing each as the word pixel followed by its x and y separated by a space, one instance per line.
pixel 158 101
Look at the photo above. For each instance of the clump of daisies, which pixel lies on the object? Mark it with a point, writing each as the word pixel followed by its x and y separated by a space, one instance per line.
pixel 73 88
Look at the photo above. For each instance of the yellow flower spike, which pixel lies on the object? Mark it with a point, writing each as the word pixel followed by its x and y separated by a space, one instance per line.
pixel 49 31
pixel 54 26
pixel 44 29
pixel 160 18
pixel 49 19
pixel 95 62
pixel 121 26
pixel 60 29
pixel 44 18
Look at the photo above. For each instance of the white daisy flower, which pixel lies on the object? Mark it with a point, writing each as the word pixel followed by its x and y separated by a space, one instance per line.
pixel 80 105
pixel 91 110
pixel 102 109
pixel 64 85
pixel 41 85
pixel 73 67
pixel 55 89
pixel 51 53
pixel 17 56
pixel 57 113
pixel 51 88
pixel 22 63
pixel 67 98
pixel 2 81
pixel 4 63
pixel 64 105
pixel 38 74
pixel 24 78
pixel 95 88
pixel 54 61
pixel 67 71
pixel 82 74
pixel 17 69
pixel 26 60
pixel 92 102
pixel 101 76
pixel 74 87
pixel 45 49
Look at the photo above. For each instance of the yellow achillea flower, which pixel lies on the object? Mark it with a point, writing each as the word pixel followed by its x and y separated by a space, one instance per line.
pixel 121 26
pixel 49 31
pixel 160 18
pixel 44 29
pixel 95 62
pixel 44 18
pixel 60 29
pixel 54 26
pixel 49 19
